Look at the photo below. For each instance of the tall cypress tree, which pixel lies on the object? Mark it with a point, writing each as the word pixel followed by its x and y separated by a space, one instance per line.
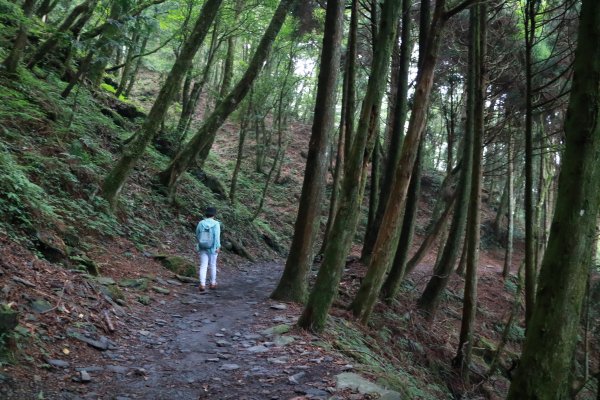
pixel 552 328
pixel 293 285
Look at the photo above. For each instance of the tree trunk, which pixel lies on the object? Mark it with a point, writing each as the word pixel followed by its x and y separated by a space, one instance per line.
pixel 238 162
pixel 388 235
pixel 105 46
pixel 125 74
pixel 530 269
pixel 391 286
pixel 397 135
pixel 315 313
pixel 430 298
pixel 189 107
pixel 293 285
pixel 115 179
pixel 346 121
pixel 554 323
pixel 510 210
pixel 465 345
pixel 14 57
pixel 46 47
pixel 207 132
pixel 137 67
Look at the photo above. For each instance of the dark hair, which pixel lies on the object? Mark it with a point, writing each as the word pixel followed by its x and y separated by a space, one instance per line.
pixel 210 212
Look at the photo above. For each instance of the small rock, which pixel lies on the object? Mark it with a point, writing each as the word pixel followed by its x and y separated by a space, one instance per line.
pixel 277 330
pixel 216 359
pixel 93 368
pixel 144 333
pixel 161 281
pixel 314 392
pixel 160 322
pixel 278 360
pixel 347 367
pixel 229 367
pixel 58 363
pixel 161 290
pixel 219 335
pixel 279 307
pixel 40 306
pixel 281 341
pixel 117 369
pixel 223 343
pixel 105 280
pixel 252 336
pixel 296 378
pixel 85 377
pixel 174 282
pixel 258 349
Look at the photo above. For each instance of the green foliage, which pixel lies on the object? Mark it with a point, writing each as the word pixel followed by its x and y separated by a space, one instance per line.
pixel 23 202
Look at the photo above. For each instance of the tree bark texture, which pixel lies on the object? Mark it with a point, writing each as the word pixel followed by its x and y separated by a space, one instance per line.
pixel 399 120
pixel 530 270
pixel 551 337
pixel 429 300
pixel 346 121
pixel 293 283
pixel 315 313
pixel 389 232
pixel 478 19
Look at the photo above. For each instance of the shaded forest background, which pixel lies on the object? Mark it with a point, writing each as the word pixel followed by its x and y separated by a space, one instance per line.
pixel 406 159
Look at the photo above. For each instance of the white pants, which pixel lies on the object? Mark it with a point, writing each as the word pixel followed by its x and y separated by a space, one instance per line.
pixel 207 259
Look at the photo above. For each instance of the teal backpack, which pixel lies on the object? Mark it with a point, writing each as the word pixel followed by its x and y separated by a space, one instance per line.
pixel 205 237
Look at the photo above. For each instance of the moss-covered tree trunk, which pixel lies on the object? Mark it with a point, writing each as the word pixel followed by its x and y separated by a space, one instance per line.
pixel 544 371
pixel 430 298
pixel 346 129
pixel 389 232
pixel 399 120
pixel 50 44
pixel 16 52
pixel 508 256
pixel 391 285
pixel 315 313
pixel 190 104
pixel 478 20
pixel 293 283
pixel 106 43
pixel 206 133
pixel 138 63
pixel 115 179
pixel 530 268
pixel 128 65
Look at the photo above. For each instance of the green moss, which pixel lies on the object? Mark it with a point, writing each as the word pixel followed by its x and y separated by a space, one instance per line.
pixel 178 265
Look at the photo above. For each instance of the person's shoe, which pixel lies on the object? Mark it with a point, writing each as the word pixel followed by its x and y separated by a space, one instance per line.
pixel 202 288
pixel 213 286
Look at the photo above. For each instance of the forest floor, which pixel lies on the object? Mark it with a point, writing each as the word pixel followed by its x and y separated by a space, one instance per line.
pixel 229 343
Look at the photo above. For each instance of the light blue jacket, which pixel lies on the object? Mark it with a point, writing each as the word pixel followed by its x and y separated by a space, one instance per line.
pixel 213 224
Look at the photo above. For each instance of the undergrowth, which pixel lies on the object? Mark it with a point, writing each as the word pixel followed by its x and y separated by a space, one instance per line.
pixel 376 354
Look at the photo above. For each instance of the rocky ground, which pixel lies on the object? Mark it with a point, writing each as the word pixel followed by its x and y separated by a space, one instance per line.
pixel 228 343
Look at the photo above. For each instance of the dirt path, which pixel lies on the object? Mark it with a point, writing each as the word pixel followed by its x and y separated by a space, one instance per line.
pixel 214 345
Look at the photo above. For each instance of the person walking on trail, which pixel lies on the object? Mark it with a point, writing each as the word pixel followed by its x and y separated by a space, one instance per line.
pixel 208 235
